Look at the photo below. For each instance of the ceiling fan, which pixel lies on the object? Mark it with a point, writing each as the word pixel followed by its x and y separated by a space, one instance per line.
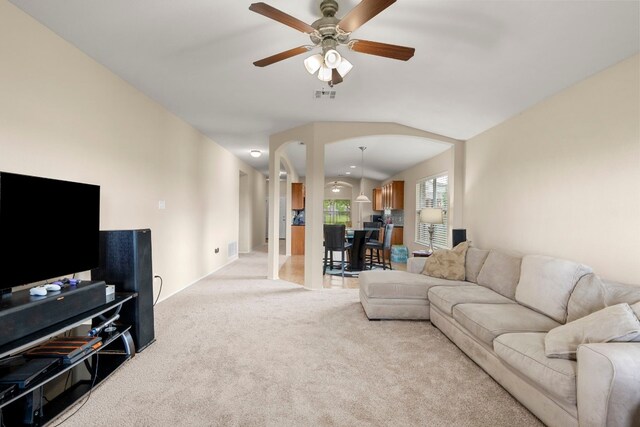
pixel 328 33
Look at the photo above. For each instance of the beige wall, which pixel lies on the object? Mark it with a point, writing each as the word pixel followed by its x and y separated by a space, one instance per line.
pixel 563 178
pixel 434 166
pixel 62 115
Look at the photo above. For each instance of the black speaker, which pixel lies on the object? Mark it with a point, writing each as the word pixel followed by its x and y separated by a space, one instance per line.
pixel 458 235
pixel 125 261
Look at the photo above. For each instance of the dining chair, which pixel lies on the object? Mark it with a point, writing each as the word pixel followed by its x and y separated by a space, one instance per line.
pixel 383 248
pixel 375 228
pixel 334 241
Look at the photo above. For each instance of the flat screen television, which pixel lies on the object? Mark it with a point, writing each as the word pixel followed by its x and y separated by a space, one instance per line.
pixel 48 228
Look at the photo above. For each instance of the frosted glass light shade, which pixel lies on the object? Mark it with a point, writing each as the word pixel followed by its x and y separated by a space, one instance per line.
pixel 313 63
pixel 362 199
pixel 344 67
pixel 324 74
pixel 431 216
pixel 332 58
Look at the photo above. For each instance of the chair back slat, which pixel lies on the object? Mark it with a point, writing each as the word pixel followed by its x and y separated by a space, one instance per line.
pixel 334 236
pixel 388 231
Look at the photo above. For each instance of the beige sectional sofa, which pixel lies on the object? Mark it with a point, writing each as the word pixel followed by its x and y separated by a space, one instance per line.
pixel 499 317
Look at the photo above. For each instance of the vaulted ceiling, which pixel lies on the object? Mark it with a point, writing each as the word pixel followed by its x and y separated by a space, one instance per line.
pixel 477 62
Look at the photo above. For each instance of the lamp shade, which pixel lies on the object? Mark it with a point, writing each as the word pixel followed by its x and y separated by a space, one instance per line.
pixel 332 58
pixel 313 63
pixel 325 74
pixel 362 199
pixel 431 216
pixel 344 67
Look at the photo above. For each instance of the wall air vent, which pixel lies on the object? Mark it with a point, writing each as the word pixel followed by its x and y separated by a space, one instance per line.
pixel 325 94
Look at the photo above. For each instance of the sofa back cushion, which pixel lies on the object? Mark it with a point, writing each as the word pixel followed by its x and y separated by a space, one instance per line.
pixel 587 297
pixel 615 293
pixel 500 272
pixel 473 263
pixel 546 284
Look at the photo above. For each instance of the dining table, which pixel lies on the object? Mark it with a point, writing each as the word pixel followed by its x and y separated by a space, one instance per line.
pixel 358 239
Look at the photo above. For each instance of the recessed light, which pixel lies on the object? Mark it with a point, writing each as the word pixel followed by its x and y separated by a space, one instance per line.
pixel 348 173
pixel 255 153
pixel 353 166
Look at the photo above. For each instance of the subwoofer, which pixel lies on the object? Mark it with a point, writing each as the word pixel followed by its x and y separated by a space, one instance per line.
pixel 125 261
pixel 458 235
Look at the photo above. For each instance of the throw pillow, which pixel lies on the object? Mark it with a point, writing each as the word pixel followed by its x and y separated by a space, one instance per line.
pixel 614 323
pixel 500 272
pixel 447 264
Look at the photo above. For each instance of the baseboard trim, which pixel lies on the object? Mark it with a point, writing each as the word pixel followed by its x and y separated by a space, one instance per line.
pixel 232 259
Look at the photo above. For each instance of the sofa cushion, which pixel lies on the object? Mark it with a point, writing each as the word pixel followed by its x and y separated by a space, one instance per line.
pixel 399 284
pixel 447 264
pixel 615 323
pixel 525 353
pixel 487 321
pixel 615 293
pixel 473 263
pixel 587 297
pixel 500 272
pixel 636 309
pixel 546 283
pixel 447 297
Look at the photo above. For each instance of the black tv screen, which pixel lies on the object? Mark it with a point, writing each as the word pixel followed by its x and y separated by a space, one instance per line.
pixel 48 228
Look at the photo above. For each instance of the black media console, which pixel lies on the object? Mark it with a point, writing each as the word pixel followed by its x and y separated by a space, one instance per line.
pixel 71 311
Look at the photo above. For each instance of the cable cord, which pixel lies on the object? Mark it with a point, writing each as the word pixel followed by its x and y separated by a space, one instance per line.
pixel 93 382
pixel 159 292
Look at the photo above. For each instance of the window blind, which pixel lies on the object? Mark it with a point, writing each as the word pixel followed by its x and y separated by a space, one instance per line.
pixel 433 192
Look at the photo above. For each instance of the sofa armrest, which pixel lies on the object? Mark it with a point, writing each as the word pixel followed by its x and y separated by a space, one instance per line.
pixel 416 264
pixel 608 384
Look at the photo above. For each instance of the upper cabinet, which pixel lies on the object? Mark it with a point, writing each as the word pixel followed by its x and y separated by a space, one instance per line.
pixel 390 196
pixel 376 200
pixel 297 196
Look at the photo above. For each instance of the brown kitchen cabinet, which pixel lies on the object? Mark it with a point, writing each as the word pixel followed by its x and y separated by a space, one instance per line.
pixel 391 196
pixel 297 196
pixel 376 200
pixel 297 240
pixel 396 235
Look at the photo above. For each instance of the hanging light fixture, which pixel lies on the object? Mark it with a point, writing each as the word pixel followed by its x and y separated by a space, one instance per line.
pixel 362 198
pixel 335 187
pixel 325 63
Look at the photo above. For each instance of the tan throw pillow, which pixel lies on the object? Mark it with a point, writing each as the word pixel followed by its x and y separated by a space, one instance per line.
pixel 447 264
pixel 614 323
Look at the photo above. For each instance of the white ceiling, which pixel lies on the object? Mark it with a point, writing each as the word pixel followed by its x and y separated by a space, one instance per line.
pixel 477 63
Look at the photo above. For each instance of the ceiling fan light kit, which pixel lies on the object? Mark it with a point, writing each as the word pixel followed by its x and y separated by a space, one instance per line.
pixel 330 32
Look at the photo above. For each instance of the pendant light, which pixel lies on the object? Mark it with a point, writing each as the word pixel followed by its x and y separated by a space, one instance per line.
pixel 335 187
pixel 362 198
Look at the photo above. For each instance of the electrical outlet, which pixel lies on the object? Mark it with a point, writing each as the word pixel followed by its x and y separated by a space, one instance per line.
pixel 217 250
pixel 161 204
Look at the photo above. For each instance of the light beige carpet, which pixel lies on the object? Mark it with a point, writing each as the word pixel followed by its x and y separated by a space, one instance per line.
pixel 237 349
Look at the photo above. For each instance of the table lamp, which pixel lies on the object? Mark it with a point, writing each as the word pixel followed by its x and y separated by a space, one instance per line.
pixel 431 216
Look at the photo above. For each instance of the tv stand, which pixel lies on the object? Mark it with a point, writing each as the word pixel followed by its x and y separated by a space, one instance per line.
pixel 29 405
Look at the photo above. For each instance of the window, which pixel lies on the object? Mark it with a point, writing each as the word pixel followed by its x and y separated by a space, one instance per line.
pixel 433 193
pixel 337 212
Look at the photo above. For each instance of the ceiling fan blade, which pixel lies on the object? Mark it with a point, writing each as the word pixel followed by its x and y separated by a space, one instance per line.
pixel 335 77
pixel 280 56
pixel 364 11
pixel 393 51
pixel 277 15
